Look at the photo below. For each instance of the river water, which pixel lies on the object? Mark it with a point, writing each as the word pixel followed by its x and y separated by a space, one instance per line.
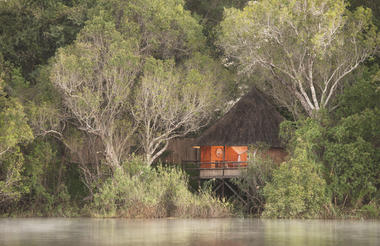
pixel 197 232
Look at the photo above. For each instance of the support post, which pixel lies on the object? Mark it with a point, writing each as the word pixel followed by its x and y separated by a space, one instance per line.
pixel 238 196
pixel 223 188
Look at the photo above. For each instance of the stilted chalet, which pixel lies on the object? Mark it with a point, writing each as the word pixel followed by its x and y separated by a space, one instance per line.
pixel 224 146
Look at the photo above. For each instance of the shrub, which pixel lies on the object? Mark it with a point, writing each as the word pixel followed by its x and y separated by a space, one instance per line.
pixel 352 154
pixel 352 159
pixel 252 182
pixel 12 184
pixel 296 190
pixel 46 178
pixel 370 211
pixel 139 191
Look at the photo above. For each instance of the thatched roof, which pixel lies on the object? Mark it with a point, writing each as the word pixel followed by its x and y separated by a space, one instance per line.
pixel 251 120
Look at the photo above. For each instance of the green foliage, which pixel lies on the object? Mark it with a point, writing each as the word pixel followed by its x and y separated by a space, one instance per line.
pixel 306 48
pixel 98 50
pixel 12 183
pixel 46 176
pixel 351 156
pixel 352 172
pixel 173 101
pixel 309 132
pixel 14 130
pixel 211 13
pixel 138 191
pixel 38 167
pixel 122 44
pixel 95 76
pixel 33 30
pixel 253 180
pixel 346 142
pixel 372 4
pixel 163 28
pixel 370 211
pixel 13 122
pixel 362 94
pixel 209 72
pixel 296 190
pixel 352 160
pixel 17 82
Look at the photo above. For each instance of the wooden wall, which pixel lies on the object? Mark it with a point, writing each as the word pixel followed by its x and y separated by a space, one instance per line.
pixel 180 149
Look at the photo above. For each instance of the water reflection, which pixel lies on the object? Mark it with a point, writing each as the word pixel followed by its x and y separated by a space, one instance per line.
pixel 187 232
pixel 329 232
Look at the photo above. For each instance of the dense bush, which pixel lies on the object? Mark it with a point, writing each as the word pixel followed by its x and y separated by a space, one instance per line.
pixel 346 143
pixel 14 131
pixel 252 182
pixel 12 183
pixel 296 190
pixel 46 178
pixel 352 155
pixel 139 191
pixel 352 161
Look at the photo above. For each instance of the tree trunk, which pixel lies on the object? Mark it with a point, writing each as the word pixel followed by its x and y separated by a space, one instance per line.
pixel 111 156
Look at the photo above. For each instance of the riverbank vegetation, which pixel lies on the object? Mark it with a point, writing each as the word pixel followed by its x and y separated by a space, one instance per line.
pixel 92 91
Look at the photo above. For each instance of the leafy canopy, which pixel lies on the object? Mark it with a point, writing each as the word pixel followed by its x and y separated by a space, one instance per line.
pixel 307 47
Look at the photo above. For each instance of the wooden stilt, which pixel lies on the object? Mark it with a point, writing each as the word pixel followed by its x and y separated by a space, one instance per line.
pixel 237 195
pixel 223 187
pixel 217 188
pixel 218 174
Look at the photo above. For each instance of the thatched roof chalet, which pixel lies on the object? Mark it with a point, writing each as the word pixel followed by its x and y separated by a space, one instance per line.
pixel 251 120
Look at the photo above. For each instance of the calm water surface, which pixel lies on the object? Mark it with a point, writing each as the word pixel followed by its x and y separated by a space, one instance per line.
pixel 83 231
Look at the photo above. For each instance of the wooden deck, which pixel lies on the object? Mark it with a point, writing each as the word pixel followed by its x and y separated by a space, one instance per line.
pixel 220 171
pixel 210 170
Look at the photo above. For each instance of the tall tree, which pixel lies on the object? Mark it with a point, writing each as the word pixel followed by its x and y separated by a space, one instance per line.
pixel 148 47
pixel 308 47
pixel 173 102
pixel 95 76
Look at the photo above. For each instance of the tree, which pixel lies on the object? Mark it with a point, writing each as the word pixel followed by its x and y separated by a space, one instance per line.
pixel 33 30
pixel 13 123
pixel 14 130
pixel 95 76
pixel 162 28
pixel 211 13
pixel 297 187
pixel 308 47
pixel 372 4
pixel 174 101
pixel 352 147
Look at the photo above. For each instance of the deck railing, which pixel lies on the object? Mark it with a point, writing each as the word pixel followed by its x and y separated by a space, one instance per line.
pixel 222 169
